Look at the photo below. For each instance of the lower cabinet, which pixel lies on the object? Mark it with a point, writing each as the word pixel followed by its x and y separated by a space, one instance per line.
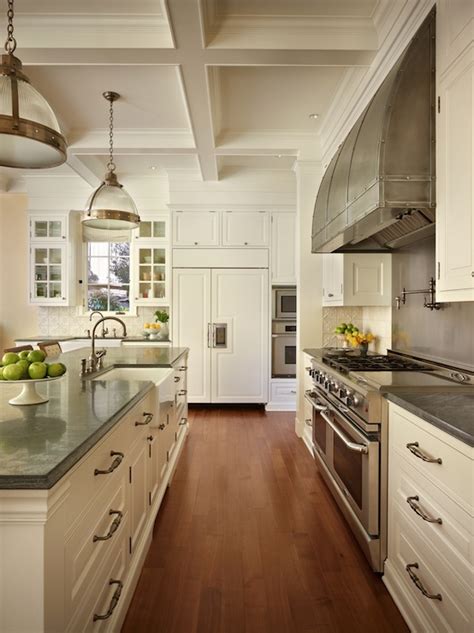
pixel 80 546
pixel 429 570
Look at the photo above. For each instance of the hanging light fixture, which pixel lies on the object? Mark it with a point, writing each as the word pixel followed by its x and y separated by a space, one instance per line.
pixel 110 207
pixel 30 137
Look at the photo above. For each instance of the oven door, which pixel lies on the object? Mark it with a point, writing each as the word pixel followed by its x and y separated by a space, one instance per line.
pixel 352 459
pixel 283 356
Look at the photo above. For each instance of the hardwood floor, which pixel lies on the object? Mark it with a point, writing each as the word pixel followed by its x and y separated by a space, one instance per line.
pixel 249 540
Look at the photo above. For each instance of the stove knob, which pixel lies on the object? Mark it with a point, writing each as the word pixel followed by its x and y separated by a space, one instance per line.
pixel 356 400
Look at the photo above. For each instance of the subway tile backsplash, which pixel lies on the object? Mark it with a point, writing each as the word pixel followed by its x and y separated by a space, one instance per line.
pixel 66 322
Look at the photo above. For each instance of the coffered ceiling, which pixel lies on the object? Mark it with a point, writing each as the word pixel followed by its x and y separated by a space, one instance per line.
pixel 208 86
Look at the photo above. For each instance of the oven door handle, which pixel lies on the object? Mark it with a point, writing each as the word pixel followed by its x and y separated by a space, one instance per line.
pixel 314 404
pixel 358 448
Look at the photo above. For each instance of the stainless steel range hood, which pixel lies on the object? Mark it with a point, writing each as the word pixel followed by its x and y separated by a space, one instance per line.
pixel 378 191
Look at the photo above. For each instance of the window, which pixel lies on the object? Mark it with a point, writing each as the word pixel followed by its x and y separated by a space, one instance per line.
pixel 108 276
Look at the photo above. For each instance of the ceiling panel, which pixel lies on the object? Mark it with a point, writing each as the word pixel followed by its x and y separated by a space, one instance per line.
pixel 359 8
pixel 151 95
pixel 89 6
pixel 140 164
pixel 276 97
pixel 257 162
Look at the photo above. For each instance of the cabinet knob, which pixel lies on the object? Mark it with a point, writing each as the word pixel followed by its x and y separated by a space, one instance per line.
pixel 195 243
pixel 330 294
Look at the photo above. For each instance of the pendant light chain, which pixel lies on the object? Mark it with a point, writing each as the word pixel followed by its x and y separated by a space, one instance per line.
pixel 111 165
pixel 10 44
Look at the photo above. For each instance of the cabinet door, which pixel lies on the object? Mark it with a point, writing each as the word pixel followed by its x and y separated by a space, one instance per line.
pixel 48 274
pixel 190 321
pixel 453 31
pixel 367 280
pixel 196 228
pixel 48 228
pixel 152 270
pixel 455 189
pixel 333 280
pixel 240 317
pixel 244 228
pixel 283 248
pixel 152 228
pixel 153 465
pixel 138 490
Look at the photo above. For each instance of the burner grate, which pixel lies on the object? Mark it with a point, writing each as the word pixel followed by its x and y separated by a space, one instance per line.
pixel 348 362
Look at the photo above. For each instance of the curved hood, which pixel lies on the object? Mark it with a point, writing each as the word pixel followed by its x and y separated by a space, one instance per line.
pixel 378 191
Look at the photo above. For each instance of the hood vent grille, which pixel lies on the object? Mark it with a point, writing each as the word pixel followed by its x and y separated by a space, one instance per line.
pixel 379 187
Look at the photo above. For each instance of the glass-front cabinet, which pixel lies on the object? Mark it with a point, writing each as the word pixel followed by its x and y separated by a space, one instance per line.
pixel 152 270
pixel 48 229
pixel 153 228
pixel 48 283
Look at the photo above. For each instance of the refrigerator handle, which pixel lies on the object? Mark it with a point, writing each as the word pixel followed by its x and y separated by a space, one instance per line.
pixel 210 338
pixel 219 335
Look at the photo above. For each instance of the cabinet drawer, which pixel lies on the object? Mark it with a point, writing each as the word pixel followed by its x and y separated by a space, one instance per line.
pixel 453 613
pixel 98 598
pixel 453 538
pixel 83 551
pixel 453 475
pixel 284 391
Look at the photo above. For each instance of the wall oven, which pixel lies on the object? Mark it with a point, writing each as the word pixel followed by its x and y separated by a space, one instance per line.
pixel 284 303
pixel 349 459
pixel 283 349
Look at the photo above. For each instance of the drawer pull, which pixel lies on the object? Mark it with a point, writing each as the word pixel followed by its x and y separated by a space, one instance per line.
pixel 177 378
pixel 182 392
pixel 183 422
pixel 419 585
pixel 148 418
pixel 113 527
pixel 115 464
pixel 161 426
pixel 413 447
pixel 309 421
pixel 416 508
pixel 113 602
pixel 183 368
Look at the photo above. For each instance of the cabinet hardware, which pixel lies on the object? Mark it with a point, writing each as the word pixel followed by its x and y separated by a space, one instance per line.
pixel 246 243
pixel 113 602
pixel 416 508
pixel 439 105
pixel 148 418
pixel 439 271
pixel 195 243
pixel 307 368
pixel 149 498
pixel 413 447
pixel 330 294
pixel 115 464
pixel 419 585
pixel 113 527
pixel 309 421
pixel 129 474
pixel 182 392
pixel 150 438
pixel 129 544
pixel 162 427
pixel 167 456
pixel 292 390
pixel 183 422
pixel 177 378
pixel 183 368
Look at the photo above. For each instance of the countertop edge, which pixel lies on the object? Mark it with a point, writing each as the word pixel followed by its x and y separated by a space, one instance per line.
pixel 442 425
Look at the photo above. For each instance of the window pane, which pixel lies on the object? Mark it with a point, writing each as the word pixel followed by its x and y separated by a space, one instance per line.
pixel 108 276
pixel 145 256
pixel 41 256
pixel 119 299
pixel 120 250
pixel 97 299
pixel 98 248
pixel 55 273
pixel 55 290
pixel 159 256
pixel 41 229
pixel 145 229
pixel 41 273
pixel 120 270
pixel 54 255
pixel 98 271
pixel 40 290
pixel 159 229
pixel 55 228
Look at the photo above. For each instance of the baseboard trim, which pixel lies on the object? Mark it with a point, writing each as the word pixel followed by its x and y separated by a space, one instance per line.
pixel 280 406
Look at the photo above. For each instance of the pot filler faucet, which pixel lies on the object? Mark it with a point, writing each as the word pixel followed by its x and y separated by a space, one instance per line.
pixel 94 361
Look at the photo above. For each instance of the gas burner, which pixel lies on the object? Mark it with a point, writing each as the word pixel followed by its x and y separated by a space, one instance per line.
pixel 352 361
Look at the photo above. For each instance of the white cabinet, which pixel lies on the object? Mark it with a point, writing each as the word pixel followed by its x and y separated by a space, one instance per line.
pixel 152 227
pixel 455 151
pixel 429 569
pixel 283 248
pixel 245 228
pixel 357 279
pixel 196 228
pixel 223 316
pixel 152 273
pixel 52 260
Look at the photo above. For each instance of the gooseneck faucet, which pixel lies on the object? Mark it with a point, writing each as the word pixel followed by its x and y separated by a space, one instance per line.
pixel 95 358
pixel 104 330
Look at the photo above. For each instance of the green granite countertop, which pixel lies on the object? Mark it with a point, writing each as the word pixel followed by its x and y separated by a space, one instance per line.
pixel 40 443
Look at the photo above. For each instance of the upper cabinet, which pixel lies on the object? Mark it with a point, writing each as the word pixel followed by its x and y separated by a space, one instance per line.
pixel 284 248
pixel 245 228
pixel 357 279
pixel 196 228
pixel 454 151
pixel 52 260
pixel 153 228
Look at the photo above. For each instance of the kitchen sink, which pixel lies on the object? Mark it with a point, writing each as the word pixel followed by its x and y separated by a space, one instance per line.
pixel 153 374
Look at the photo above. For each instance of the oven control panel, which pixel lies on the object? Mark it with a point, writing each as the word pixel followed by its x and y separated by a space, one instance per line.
pixel 332 384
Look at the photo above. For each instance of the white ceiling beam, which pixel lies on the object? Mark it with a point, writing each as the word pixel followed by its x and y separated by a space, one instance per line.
pixel 82 170
pixel 136 140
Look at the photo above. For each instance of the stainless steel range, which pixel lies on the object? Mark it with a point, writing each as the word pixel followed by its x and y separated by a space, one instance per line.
pixel 350 430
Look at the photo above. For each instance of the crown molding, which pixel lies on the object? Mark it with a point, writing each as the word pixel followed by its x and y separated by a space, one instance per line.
pixel 83 30
pixel 159 140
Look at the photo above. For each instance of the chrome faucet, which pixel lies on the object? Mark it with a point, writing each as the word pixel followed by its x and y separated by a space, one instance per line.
pixel 95 358
pixel 104 330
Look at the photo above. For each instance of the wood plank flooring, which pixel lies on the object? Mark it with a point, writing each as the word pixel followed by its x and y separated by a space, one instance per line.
pixel 249 540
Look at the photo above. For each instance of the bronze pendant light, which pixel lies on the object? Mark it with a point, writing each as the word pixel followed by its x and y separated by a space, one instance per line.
pixel 110 207
pixel 30 136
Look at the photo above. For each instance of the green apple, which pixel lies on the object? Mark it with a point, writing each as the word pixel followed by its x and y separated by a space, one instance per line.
pixel 1 374
pixel 24 364
pixel 23 354
pixel 56 369
pixel 38 370
pixel 9 358
pixel 12 372
pixel 36 356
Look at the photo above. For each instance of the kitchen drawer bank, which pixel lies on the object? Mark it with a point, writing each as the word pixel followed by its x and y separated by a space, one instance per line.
pixel 430 566
pixel 71 555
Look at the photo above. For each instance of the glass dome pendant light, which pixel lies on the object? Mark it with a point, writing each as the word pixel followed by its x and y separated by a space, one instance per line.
pixel 30 136
pixel 110 207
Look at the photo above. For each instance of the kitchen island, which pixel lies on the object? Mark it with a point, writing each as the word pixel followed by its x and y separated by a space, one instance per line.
pixel 81 481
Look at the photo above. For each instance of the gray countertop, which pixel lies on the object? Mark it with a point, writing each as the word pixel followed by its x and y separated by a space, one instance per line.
pixel 40 443
pixel 450 412
pixel 59 338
